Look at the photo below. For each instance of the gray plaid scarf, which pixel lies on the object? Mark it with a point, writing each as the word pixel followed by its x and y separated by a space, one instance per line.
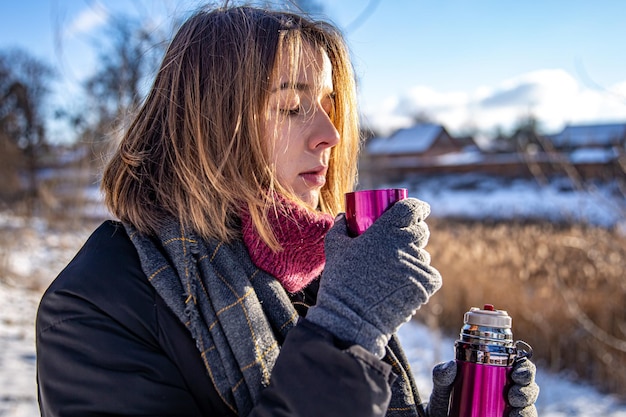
pixel 237 314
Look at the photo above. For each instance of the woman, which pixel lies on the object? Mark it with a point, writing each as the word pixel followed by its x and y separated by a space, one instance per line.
pixel 214 294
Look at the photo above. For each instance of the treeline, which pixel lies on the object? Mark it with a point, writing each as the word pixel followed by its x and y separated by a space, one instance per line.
pixel 127 58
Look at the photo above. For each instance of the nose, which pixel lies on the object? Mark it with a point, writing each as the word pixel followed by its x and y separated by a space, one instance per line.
pixel 323 133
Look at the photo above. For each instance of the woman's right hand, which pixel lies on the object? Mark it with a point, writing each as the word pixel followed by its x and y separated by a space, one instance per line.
pixel 375 282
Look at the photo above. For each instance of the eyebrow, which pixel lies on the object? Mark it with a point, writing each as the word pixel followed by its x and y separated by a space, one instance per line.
pixel 292 86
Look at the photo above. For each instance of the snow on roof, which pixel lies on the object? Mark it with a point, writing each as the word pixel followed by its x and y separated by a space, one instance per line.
pixel 591 156
pixel 415 139
pixel 460 158
pixel 590 135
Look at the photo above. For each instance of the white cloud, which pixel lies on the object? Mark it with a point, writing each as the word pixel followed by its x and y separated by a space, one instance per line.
pixel 419 96
pixel 619 90
pixel 386 118
pixel 553 96
pixel 93 17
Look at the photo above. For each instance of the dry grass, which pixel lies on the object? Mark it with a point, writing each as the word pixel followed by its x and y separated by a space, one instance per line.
pixel 564 286
pixel 33 252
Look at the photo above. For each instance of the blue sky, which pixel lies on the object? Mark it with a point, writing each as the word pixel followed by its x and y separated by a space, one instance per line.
pixel 466 64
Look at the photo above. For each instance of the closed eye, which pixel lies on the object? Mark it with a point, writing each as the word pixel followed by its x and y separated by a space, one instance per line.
pixel 294 111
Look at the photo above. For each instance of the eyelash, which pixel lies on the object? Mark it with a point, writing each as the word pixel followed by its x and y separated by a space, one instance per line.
pixel 295 111
pixel 291 112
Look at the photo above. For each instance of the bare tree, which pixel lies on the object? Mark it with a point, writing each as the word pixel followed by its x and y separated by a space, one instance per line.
pixel 526 135
pixel 24 87
pixel 127 59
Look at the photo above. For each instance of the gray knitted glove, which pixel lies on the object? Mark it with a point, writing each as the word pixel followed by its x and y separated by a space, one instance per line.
pixel 524 392
pixel 443 377
pixel 375 282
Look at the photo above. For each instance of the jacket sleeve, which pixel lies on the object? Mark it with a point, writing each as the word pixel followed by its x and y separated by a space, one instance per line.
pixel 315 375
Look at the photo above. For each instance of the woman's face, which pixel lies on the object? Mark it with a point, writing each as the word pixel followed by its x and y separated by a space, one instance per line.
pixel 299 131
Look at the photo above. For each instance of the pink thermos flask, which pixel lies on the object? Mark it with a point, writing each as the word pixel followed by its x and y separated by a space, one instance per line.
pixel 484 353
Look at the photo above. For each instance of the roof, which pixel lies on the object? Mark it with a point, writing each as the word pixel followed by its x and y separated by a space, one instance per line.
pixel 590 135
pixel 415 139
pixel 593 156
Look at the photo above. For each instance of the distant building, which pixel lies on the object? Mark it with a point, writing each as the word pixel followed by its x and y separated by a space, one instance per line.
pixel 406 150
pixel 424 139
pixel 574 137
pixel 591 148
pixel 579 151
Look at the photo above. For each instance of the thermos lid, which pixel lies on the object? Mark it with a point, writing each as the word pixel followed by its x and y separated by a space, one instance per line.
pixel 488 316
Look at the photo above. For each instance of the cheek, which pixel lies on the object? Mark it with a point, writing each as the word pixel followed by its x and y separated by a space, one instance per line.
pixel 283 161
pixel 276 142
pixel 283 141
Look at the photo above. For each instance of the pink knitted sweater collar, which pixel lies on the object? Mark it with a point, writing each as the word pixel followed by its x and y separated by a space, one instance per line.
pixel 300 232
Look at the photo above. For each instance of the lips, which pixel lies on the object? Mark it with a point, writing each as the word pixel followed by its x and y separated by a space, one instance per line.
pixel 315 177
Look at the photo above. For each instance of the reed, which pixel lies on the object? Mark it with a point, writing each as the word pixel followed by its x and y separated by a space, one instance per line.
pixel 564 286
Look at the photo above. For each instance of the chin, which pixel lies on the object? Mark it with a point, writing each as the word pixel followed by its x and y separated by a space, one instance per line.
pixel 311 200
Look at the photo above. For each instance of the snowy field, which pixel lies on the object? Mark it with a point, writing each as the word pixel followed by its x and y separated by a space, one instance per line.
pixel 479 197
pixel 37 254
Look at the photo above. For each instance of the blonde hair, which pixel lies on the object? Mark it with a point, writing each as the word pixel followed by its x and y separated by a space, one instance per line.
pixel 195 149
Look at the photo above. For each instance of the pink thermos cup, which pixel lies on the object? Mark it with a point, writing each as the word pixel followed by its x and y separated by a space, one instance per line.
pixel 365 206
pixel 484 353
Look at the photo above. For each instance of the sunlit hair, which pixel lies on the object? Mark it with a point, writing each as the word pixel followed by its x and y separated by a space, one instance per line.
pixel 195 148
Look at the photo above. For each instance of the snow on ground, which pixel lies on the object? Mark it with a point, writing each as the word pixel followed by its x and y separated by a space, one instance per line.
pixel 17 344
pixel 477 197
pixel 37 254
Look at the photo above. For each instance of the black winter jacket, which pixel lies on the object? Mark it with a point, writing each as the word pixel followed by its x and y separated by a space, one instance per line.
pixel 107 345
